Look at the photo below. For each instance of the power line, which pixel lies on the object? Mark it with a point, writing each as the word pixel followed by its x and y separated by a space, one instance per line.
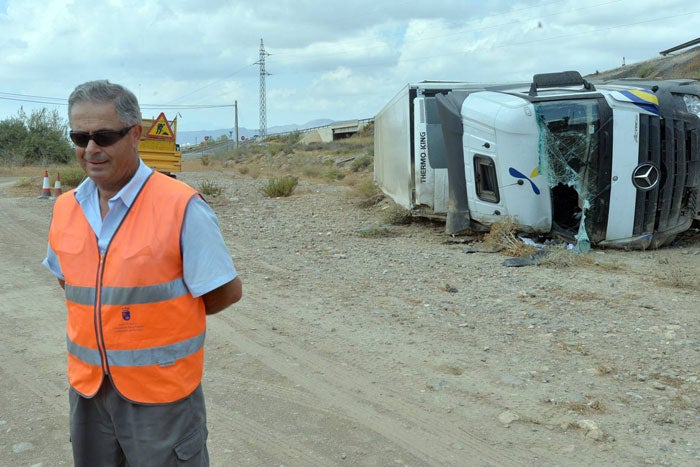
pixel 185 106
pixel 33 101
pixel 215 82
pixel 63 102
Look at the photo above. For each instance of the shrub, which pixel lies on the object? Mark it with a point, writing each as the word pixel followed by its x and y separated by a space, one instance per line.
pixel 24 182
pixel 367 130
pixel 334 174
pixel 280 187
pixel 210 188
pixel 365 188
pixel 311 170
pixel 367 193
pixel 646 71
pixel 72 176
pixel 363 162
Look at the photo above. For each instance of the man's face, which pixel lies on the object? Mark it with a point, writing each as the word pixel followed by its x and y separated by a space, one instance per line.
pixel 110 167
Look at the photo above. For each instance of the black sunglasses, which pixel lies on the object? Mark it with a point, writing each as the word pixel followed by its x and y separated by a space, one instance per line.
pixel 100 137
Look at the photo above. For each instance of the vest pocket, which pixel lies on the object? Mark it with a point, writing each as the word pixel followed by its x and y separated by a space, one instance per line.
pixel 132 251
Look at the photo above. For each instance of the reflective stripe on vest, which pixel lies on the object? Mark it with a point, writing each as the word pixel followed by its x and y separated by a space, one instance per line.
pixel 128 295
pixel 161 356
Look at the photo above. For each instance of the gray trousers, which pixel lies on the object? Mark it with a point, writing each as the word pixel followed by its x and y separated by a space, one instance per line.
pixel 107 431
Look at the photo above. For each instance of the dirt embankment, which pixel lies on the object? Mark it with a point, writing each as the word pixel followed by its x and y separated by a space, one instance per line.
pixel 682 64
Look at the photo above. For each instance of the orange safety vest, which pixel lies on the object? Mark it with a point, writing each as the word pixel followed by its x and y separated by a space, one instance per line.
pixel 130 314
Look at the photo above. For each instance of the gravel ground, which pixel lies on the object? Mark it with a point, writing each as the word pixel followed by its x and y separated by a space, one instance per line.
pixel 356 344
pixel 583 360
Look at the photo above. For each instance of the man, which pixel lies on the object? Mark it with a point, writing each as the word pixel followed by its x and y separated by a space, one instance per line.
pixel 142 261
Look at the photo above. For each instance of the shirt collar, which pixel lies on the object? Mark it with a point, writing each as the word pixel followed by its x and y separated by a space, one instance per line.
pixel 127 194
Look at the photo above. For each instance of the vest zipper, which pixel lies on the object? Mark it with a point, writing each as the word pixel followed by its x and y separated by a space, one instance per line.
pixel 98 315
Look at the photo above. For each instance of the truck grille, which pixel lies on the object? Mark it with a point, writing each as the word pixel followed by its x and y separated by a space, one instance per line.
pixel 669 145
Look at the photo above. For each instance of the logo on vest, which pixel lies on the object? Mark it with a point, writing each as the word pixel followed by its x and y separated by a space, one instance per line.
pixel 126 314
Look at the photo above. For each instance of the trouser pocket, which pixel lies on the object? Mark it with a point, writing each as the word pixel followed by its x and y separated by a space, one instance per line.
pixel 192 451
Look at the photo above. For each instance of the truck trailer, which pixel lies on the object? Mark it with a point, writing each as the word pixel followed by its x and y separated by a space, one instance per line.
pixel 608 163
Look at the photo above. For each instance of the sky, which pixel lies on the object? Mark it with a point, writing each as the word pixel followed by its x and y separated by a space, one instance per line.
pixel 324 59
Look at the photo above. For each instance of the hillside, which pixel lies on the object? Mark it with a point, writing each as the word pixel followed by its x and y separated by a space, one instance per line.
pixel 186 138
pixel 685 64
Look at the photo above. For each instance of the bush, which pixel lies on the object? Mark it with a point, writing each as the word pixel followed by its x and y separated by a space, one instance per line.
pixel 72 176
pixel 210 188
pixel 36 139
pixel 334 174
pixel 363 162
pixel 646 71
pixel 24 182
pixel 280 187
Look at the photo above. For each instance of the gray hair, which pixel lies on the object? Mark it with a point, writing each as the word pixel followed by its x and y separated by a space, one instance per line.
pixel 102 91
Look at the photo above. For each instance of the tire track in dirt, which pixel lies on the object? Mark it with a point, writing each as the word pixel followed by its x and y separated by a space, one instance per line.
pixel 33 395
pixel 250 438
pixel 341 389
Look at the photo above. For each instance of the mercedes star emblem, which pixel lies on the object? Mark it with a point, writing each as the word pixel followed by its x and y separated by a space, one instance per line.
pixel 646 176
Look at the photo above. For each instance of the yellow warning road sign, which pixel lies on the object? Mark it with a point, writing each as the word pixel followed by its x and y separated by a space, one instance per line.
pixel 161 128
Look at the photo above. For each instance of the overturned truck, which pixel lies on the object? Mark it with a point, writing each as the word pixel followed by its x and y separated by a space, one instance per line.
pixel 609 163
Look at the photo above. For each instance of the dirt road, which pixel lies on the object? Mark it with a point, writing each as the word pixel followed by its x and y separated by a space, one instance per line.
pixel 361 350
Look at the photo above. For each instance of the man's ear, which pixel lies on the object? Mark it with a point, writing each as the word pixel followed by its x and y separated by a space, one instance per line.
pixel 136 135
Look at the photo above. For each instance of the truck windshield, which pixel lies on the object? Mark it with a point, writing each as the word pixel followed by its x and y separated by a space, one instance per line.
pixel 569 142
pixel 575 155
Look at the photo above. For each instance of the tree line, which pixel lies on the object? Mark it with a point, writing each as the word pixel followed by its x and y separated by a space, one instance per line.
pixel 40 138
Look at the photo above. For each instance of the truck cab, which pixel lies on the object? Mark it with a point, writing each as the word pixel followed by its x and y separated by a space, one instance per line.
pixel 611 164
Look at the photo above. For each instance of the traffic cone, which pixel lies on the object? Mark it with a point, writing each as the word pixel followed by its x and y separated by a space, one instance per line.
pixel 57 191
pixel 46 188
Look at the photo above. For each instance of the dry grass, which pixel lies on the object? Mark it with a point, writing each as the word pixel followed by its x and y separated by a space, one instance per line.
pixel 602 370
pixel 24 182
pixel 503 234
pixel 678 277
pixel 572 347
pixel 394 214
pixel 366 192
pixel 376 232
pixel 346 161
pixel 31 177
pixel 558 257
pixel 587 405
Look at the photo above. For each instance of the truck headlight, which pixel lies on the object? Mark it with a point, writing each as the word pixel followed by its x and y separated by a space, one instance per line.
pixel 692 103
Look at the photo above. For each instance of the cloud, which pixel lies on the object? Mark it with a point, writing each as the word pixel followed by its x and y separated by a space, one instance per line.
pixel 325 59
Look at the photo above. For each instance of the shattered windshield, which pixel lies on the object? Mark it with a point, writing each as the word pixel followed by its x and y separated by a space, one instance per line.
pixel 569 142
pixel 570 158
